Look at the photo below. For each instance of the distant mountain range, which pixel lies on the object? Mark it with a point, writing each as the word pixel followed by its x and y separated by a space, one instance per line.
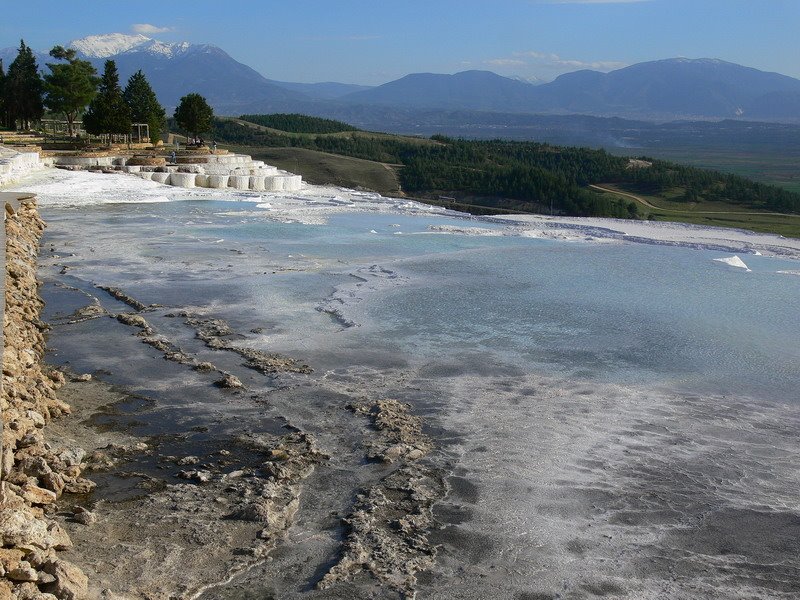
pixel 664 89
pixel 670 89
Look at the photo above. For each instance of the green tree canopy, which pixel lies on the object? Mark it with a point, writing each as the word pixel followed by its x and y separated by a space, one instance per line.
pixel 144 105
pixel 194 115
pixel 108 112
pixel 70 85
pixel 2 95
pixel 23 89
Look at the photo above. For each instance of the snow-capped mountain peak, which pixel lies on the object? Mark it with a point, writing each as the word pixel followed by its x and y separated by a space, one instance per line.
pixel 532 79
pixel 162 48
pixel 109 44
pixel 114 44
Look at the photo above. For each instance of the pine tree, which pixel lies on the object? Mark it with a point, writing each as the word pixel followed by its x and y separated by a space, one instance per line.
pixel 144 105
pixel 23 89
pixel 70 85
pixel 3 120
pixel 108 112
pixel 194 115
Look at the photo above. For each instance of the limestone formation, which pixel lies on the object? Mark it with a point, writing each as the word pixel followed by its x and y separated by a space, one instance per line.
pixel 229 381
pixel 217 181
pixel 400 432
pixel 217 335
pixel 14 165
pixel 118 294
pixel 239 182
pixel 34 474
pixel 194 169
pixel 388 528
pixel 161 177
pixel 257 183
pixel 185 180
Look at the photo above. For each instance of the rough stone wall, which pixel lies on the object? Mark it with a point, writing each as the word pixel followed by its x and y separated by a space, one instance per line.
pixel 34 474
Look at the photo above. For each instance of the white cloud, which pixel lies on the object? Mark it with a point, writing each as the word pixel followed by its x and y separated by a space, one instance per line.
pixel 148 29
pixel 554 61
pixel 544 66
pixel 504 62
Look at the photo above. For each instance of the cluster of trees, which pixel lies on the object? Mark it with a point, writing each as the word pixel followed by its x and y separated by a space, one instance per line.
pixel 296 123
pixel 525 175
pixel 71 88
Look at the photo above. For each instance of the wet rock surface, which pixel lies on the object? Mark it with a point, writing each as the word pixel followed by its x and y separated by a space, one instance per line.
pixel 387 532
pixel 400 434
pixel 217 334
pixel 118 294
pixel 182 531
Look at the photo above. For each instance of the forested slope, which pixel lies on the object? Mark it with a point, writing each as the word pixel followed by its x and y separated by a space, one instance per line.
pixel 519 175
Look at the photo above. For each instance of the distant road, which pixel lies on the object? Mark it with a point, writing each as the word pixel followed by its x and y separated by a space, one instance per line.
pixel 699 212
pixel 627 195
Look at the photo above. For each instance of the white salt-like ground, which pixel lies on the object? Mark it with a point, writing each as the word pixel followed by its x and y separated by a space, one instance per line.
pixel 683 234
pixel 315 204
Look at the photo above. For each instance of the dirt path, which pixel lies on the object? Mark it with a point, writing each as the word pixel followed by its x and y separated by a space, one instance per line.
pixel 644 202
pixel 627 195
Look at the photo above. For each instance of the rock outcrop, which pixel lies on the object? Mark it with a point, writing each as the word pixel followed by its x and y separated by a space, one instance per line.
pixel 387 532
pixel 34 473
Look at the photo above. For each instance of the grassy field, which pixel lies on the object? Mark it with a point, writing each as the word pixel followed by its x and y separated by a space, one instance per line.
pixel 323 168
pixel 717 214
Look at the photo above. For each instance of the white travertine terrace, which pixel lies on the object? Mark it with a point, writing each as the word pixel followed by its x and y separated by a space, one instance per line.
pixel 237 171
pixel 15 165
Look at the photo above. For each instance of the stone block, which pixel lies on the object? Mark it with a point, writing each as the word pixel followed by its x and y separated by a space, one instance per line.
pixel 161 177
pixel 185 180
pixel 292 183
pixel 217 181
pixel 273 183
pixel 239 182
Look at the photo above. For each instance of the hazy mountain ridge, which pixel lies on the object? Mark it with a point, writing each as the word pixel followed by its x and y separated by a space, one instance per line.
pixel 471 90
pixel 684 87
pixel 665 90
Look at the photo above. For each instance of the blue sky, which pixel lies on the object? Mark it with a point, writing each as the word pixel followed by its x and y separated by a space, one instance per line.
pixel 370 42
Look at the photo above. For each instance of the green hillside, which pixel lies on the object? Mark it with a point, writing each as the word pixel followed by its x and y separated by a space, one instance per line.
pixel 508 175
